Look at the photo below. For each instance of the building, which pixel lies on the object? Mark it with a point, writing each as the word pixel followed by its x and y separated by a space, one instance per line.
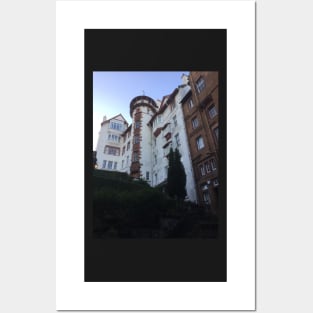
pixel 110 142
pixel 200 109
pixel 186 119
pixel 168 131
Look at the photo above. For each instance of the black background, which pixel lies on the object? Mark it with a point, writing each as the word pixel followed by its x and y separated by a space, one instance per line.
pixel 155 260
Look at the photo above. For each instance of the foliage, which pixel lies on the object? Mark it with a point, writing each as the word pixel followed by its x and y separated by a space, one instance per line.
pixel 171 186
pixel 176 178
pixel 180 176
pixel 124 208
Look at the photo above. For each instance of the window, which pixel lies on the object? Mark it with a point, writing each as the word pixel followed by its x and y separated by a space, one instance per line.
pixel 128 145
pixel 206 197
pixel 195 123
pixel 110 164
pixel 175 120
pixel 202 170
pixel 115 165
pixel 159 119
pixel 155 178
pixel 190 104
pixel 117 126
pixel 147 175
pixel 137 124
pixel 200 84
pixel 207 167
pixel 155 159
pixel 127 160
pixel 215 182
pixel 122 163
pixel 136 139
pixel 200 143
pixel 114 138
pixel 165 171
pixel 123 150
pixel 173 105
pixel 213 164
pixel 104 163
pixel 216 132
pixel 212 111
pixel 177 139
pixel 135 157
pixel 111 150
pixel 128 134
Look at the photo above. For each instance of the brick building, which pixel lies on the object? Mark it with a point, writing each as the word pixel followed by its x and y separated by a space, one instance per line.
pixel 200 108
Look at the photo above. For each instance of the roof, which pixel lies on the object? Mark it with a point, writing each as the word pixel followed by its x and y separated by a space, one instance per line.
pixel 164 104
pixel 114 117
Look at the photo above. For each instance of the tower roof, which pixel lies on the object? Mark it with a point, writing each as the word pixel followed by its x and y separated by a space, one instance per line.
pixel 142 100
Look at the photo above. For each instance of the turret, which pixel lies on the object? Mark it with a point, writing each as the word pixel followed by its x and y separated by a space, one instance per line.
pixel 141 110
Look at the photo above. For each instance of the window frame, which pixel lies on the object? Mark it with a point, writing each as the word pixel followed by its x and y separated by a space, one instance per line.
pixel 202 170
pixel 213 164
pixel 193 122
pixel 197 143
pixel 200 84
pixel 135 157
pixel 211 108
pixel 190 104
pixel 207 167
pixel 177 140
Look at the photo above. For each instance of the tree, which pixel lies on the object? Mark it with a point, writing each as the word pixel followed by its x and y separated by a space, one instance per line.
pixel 171 174
pixel 176 176
pixel 180 176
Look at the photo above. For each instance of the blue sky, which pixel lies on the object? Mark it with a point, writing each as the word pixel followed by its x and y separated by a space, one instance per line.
pixel 113 91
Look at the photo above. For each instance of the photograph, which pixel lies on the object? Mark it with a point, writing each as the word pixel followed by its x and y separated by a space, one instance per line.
pixel 156 154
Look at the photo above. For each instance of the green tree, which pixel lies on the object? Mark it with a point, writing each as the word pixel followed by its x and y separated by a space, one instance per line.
pixel 171 175
pixel 176 178
pixel 180 176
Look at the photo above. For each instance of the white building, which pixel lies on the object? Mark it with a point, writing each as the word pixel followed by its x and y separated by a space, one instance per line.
pixel 141 149
pixel 110 143
pixel 168 131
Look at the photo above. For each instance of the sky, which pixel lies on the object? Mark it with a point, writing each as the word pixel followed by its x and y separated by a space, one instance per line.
pixel 113 92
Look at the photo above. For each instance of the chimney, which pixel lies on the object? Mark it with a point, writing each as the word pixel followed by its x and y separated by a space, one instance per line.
pixel 104 118
pixel 184 79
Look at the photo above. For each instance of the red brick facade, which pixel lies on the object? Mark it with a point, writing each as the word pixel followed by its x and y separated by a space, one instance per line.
pixel 200 108
pixel 137 138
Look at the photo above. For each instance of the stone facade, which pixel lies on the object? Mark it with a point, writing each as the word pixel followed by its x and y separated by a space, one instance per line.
pixel 200 107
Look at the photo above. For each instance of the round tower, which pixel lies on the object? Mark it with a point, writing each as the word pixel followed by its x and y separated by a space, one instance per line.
pixel 142 109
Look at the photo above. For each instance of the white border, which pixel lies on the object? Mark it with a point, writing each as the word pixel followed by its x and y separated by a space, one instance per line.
pixel 238 17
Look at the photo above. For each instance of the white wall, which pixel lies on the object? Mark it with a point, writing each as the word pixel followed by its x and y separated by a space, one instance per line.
pixel 159 167
pixel 104 140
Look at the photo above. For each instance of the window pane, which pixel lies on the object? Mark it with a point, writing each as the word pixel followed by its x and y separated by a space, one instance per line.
pixel 190 104
pixel 200 84
pixel 212 111
pixel 195 123
pixel 200 143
